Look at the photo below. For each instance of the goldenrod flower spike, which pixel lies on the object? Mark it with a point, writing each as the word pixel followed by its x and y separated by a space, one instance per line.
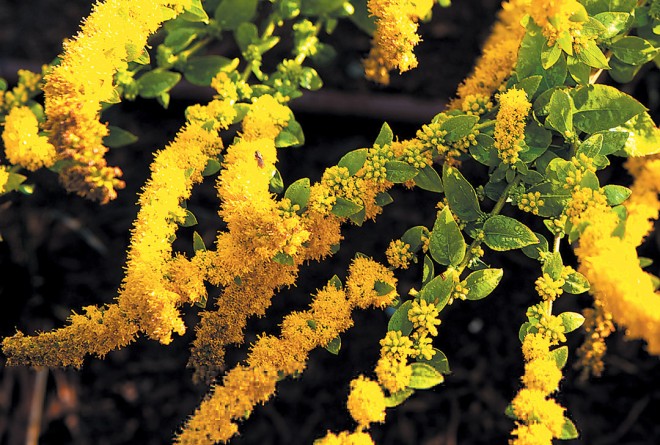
pixel 612 267
pixel 499 55
pixel 146 302
pixel 395 36
pixel 510 124
pixel 113 35
pixel 270 357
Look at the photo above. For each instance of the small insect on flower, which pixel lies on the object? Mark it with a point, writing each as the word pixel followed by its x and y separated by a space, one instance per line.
pixel 259 159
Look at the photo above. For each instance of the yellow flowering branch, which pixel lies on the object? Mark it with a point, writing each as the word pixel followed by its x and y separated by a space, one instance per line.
pixel 114 34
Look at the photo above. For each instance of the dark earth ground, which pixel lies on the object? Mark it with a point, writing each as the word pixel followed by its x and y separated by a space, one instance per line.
pixel 62 253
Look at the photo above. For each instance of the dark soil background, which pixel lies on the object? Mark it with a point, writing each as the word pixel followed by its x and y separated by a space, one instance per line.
pixel 61 253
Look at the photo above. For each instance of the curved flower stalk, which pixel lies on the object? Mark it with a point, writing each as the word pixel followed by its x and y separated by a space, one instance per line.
pixel 114 34
pixel 272 358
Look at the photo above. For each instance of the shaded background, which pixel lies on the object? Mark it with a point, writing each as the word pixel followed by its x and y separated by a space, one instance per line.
pixel 61 253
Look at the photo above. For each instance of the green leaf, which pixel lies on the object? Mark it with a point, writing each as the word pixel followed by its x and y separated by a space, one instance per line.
pixel 429 179
pixel 231 13
pixel 291 135
pixel 485 152
pixel 246 34
pixel 438 290
pixel 576 283
pixel 198 242
pixel 568 430
pixel 398 398
pixel 385 136
pixel 633 50
pixel 118 137
pixel 460 194
pixel 382 199
pixel 482 282
pixel 424 376
pixel 283 258
pixel 399 320
pixel 616 194
pixel 458 127
pixel 276 184
pixel 201 70
pixel 154 83
pixel 336 282
pixel 550 56
pixel 522 332
pixel 189 219
pixel 534 251
pixel 571 321
pixel 591 55
pixel 298 193
pixel 579 71
pixel 195 12
pixel 530 84
pixel 591 147
pixel 353 160
pixel 622 72
pixel 504 233
pixel 334 345
pixel 560 356
pixel 413 237
pixel 447 245
pixel 178 39
pixel 553 265
pixel 614 23
pixel 643 136
pixel 438 361
pixel 428 270
pixel 345 208
pixel 319 7
pixel 382 288
pixel 560 113
pixel 601 107
pixel 363 19
pixel 212 167
pixel 398 171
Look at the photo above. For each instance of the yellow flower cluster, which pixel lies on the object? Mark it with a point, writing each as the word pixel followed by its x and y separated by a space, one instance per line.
pixel 510 124
pixel 366 402
pixel 395 36
pixel 548 288
pixel 585 200
pixel 424 317
pixel 362 291
pixel 399 255
pixel 530 202
pixel 539 418
pixel 499 54
pixel 28 86
pixel 477 104
pixel 117 30
pixel 23 144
